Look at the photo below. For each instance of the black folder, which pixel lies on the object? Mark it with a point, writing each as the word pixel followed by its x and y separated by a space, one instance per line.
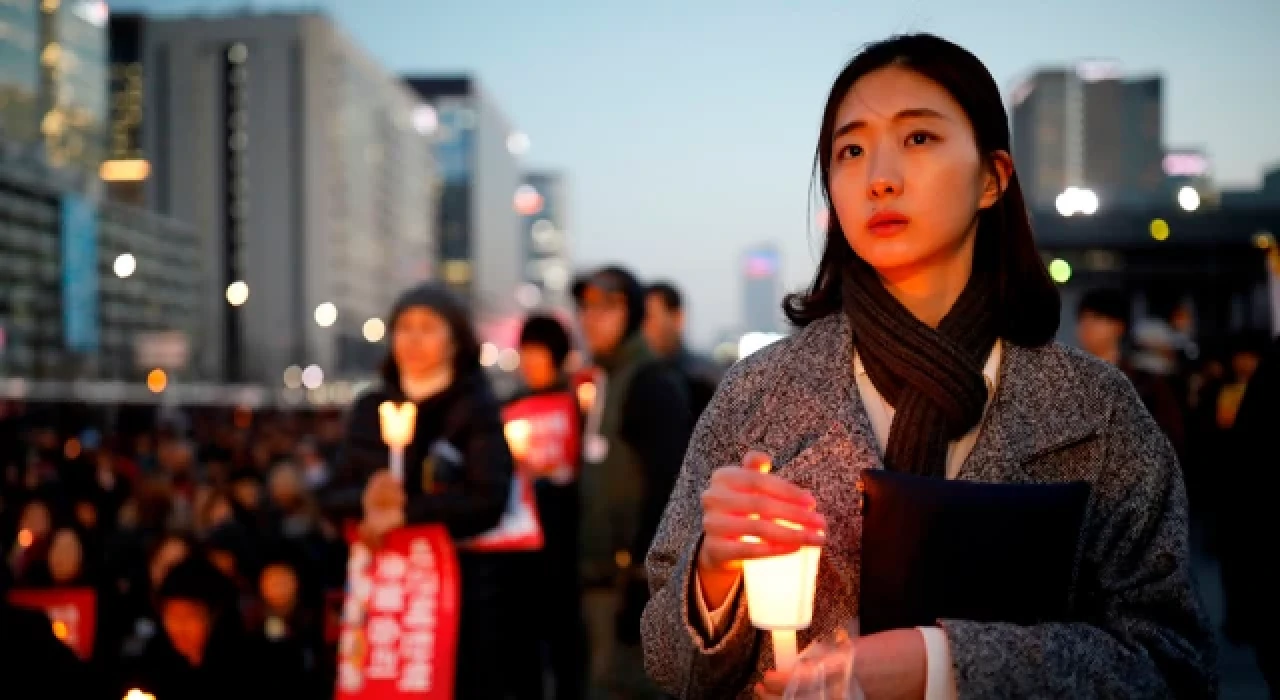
pixel 934 548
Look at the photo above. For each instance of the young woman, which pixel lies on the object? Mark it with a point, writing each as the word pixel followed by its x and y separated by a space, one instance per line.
pixel 925 346
pixel 457 471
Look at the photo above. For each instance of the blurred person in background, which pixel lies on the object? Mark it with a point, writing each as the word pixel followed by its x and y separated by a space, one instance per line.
pixel 458 469
pixel 187 658
pixel 315 470
pixel 636 437
pixel 285 635
pixel 664 328
pixel 548 598
pixel 1102 325
pixel 1247 528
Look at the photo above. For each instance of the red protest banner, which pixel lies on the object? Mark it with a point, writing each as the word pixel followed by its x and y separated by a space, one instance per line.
pixel 73 612
pixel 519 530
pixel 400 620
pixel 553 435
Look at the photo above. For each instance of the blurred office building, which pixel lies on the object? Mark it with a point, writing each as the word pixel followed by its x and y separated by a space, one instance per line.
pixel 306 169
pixel 543 204
pixel 478 219
pixel 1089 127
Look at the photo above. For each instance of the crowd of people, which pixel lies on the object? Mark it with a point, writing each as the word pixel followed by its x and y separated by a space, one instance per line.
pixel 215 541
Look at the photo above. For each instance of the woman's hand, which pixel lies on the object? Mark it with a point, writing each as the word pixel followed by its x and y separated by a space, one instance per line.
pixel 384 502
pixel 889 666
pixel 740 511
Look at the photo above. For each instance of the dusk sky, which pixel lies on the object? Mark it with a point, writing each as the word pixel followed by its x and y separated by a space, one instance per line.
pixel 687 128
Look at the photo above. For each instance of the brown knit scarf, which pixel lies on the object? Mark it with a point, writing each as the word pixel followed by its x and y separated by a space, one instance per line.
pixel 932 377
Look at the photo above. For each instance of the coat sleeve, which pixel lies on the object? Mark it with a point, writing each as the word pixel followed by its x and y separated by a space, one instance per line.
pixel 1147 636
pixel 678 655
pixel 486 483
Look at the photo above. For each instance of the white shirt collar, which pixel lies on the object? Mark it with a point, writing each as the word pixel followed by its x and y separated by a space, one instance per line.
pixel 990 371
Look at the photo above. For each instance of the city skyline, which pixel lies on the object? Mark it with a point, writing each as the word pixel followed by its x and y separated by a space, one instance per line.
pixel 685 114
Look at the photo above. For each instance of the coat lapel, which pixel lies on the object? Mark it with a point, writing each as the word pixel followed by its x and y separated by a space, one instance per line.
pixel 1038 408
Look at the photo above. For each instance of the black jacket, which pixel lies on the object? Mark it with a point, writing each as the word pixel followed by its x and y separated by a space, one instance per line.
pixel 463 485
pixel 457 472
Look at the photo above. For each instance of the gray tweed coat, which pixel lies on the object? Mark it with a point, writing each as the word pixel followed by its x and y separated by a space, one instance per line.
pixel 1058 415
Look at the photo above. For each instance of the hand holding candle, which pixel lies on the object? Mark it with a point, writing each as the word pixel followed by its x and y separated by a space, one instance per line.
pixel 758 522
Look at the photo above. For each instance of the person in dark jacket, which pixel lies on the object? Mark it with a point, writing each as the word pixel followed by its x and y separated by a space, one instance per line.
pixel 1103 325
pixel 1247 529
pixel 664 323
pixel 200 651
pixel 457 470
pixel 636 435
pixel 549 595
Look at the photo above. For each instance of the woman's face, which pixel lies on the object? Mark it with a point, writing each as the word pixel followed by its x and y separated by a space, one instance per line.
pixel 36 518
pixel 66 556
pixel 906 178
pixel 421 342
pixel 278 586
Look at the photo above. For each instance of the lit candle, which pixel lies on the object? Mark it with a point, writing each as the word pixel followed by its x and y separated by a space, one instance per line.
pixel 780 594
pixel 397 431
pixel 136 694
pixel 518 433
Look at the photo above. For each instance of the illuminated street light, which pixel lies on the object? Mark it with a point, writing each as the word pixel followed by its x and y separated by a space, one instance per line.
pixel 1060 270
pixel 1188 198
pixel 326 314
pixel 312 377
pixel 237 293
pixel 1077 200
pixel 125 265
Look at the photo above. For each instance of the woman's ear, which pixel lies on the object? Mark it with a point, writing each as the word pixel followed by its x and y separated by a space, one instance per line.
pixel 995 179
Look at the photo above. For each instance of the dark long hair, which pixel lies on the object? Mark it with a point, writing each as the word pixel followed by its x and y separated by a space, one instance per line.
pixel 1028 304
pixel 466 348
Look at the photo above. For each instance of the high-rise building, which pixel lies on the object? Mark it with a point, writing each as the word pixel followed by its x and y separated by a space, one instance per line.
pixel 543 201
pixel 125 170
pixel 479 251
pixel 1089 127
pixel 301 163
pixel 19 72
pixel 762 289
pixel 89 287
pixel 73 83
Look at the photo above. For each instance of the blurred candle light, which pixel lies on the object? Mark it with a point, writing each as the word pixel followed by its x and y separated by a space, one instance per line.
pixel 397 422
pixel 60 630
pixel 586 396
pixel 136 694
pixel 26 538
pixel 780 593
pixel 518 433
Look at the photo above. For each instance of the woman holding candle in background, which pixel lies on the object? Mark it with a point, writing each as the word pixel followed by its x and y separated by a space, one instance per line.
pixel 457 468
pixel 925 346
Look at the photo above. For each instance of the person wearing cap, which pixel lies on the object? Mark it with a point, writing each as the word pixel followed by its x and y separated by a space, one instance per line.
pixel 636 435
pixel 457 470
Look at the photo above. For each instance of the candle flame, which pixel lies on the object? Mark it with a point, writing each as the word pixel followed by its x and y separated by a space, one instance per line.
pixel 517 433
pixel 25 538
pixel 397 422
